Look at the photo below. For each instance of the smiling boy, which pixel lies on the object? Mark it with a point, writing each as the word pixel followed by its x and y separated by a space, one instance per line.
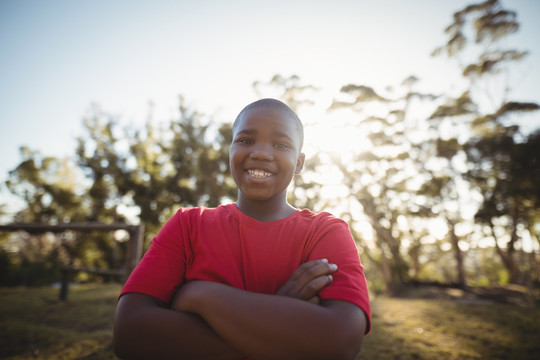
pixel 264 156
pixel 257 278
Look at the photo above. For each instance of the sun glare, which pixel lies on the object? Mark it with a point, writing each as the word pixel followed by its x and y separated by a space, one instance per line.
pixel 334 133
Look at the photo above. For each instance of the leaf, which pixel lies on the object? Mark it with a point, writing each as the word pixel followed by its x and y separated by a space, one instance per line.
pixel 410 81
pixel 489 61
pixel 455 107
pixel 362 93
pixel 447 148
pixel 514 106
pixel 495 25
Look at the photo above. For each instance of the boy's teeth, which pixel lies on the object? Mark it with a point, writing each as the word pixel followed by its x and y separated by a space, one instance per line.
pixel 259 173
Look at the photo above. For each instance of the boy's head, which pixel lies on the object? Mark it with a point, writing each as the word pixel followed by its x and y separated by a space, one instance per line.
pixel 266 150
pixel 276 105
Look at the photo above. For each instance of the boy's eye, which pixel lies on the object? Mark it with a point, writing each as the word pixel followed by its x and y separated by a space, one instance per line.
pixel 245 141
pixel 282 146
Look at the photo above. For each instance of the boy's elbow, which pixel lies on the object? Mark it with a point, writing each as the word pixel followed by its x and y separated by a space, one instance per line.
pixel 118 350
pixel 353 342
pixel 338 350
pixel 348 332
pixel 347 349
pixel 351 350
pixel 124 331
pixel 120 346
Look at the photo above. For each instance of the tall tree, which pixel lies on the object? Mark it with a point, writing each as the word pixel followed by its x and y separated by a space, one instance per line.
pixel 385 171
pixel 510 181
pixel 485 108
pixel 155 170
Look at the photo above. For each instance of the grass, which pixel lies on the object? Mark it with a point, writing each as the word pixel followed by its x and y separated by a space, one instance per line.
pixel 34 324
pixel 445 329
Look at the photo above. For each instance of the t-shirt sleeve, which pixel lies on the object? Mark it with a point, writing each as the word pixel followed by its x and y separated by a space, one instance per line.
pixel 335 243
pixel 162 268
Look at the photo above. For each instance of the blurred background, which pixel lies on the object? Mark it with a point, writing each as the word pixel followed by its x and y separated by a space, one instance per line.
pixel 421 121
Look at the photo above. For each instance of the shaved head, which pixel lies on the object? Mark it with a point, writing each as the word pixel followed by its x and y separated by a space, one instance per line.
pixel 276 105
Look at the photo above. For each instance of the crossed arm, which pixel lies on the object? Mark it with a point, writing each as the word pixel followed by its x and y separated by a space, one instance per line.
pixel 208 320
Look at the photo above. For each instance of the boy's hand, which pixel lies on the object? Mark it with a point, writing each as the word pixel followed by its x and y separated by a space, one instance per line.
pixel 310 278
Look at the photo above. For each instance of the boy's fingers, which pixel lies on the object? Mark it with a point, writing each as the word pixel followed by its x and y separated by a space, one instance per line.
pixel 310 278
pixel 313 269
pixel 305 267
pixel 313 288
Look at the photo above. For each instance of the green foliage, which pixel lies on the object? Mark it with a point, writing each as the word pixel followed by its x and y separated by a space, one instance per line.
pixel 49 186
pixel 288 89
pixel 490 141
pixel 117 174
pixel 20 270
pixel 508 174
pixel 382 180
pixel 463 105
pixel 491 23
pixel 180 163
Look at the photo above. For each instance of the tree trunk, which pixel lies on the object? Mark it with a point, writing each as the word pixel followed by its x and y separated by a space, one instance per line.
pixel 507 258
pixel 458 254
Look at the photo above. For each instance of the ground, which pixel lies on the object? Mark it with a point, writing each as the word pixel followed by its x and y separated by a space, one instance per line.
pixel 423 322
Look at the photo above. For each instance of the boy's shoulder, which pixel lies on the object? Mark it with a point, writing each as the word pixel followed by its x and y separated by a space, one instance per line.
pixel 320 217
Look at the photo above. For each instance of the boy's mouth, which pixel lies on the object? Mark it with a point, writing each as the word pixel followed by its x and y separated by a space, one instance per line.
pixel 260 174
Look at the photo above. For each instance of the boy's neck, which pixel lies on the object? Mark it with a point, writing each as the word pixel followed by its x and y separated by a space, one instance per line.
pixel 265 211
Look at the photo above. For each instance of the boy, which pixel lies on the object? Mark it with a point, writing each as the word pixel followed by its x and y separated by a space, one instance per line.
pixel 257 278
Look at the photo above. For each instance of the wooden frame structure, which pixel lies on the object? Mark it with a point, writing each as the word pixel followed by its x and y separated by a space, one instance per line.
pixel 133 255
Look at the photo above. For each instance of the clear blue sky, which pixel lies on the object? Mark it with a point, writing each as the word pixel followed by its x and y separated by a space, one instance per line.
pixel 59 56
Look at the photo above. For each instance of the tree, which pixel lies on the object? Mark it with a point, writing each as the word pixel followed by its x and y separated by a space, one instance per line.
pixel 155 170
pixel 119 175
pixel 287 89
pixel 54 192
pixel 508 172
pixel 486 110
pixel 382 174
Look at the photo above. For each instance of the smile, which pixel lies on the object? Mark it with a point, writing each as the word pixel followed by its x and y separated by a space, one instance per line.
pixel 259 173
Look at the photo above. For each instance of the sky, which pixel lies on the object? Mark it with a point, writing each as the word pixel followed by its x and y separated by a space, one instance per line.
pixel 59 57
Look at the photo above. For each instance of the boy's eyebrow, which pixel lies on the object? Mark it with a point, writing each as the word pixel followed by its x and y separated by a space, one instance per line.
pixel 282 134
pixel 247 131
pixel 275 133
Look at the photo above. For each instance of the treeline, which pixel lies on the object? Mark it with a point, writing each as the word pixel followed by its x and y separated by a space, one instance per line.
pixel 449 186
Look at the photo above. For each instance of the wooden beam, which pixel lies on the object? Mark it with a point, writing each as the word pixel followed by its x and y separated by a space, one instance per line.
pixel 37 228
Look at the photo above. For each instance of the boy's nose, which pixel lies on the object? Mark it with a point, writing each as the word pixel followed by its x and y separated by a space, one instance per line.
pixel 263 152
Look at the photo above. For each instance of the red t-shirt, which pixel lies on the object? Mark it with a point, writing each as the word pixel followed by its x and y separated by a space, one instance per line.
pixel 224 245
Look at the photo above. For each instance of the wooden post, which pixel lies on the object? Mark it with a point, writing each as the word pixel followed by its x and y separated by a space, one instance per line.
pixel 134 251
pixel 64 287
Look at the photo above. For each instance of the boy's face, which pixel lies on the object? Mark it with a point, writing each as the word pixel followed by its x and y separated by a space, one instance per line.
pixel 265 153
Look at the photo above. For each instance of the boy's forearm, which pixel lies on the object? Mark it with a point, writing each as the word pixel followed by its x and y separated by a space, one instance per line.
pixel 146 330
pixel 278 327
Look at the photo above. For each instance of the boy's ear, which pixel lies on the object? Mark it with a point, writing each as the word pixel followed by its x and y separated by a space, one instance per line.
pixel 300 163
